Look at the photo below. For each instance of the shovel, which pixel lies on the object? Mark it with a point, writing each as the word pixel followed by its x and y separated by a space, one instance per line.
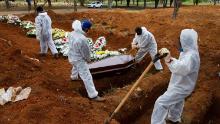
pixel 156 58
pixel 132 52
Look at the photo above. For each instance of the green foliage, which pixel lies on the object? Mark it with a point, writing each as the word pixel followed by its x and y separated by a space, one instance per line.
pixel 186 0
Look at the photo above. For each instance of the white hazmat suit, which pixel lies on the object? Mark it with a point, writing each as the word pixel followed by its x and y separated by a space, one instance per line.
pixel 183 79
pixel 44 33
pixel 78 56
pixel 146 43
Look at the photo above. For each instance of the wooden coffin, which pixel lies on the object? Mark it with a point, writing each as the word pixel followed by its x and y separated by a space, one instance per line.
pixel 110 64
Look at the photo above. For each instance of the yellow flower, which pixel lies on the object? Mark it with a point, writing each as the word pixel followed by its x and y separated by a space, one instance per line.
pixel 100 52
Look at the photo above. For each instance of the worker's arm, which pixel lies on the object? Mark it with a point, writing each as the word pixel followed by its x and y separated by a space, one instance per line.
pixel 134 43
pixel 85 50
pixel 181 67
pixel 38 27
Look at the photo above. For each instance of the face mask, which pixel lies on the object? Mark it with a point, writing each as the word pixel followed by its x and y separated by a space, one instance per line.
pixel 180 49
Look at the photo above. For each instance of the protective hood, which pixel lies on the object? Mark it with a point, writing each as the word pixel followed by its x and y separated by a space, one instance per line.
pixel 144 30
pixel 42 13
pixel 188 40
pixel 77 26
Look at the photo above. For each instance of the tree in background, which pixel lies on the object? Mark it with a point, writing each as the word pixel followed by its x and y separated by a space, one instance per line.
pixel 82 2
pixel 49 3
pixel 177 4
pixel 109 4
pixel 145 3
pixel 35 4
pixel 128 3
pixel 45 2
pixel 29 5
pixel 164 3
pixel 195 2
pixel 75 5
pixel 215 1
pixel 171 2
pixel 156 3
pixel 7 4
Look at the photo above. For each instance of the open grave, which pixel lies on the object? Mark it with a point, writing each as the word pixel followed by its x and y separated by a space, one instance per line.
pixel 55 99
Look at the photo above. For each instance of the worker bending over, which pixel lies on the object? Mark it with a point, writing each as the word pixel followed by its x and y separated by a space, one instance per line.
pixel 145 42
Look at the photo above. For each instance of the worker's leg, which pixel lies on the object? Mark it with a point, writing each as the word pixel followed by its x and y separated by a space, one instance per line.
pixel 175 112
pixel 43 46
pixel 162 105
pixel 140 55
pixel 86 76
pixel 29 5
pixel 74 73
pixel 52 46
pixel 157 64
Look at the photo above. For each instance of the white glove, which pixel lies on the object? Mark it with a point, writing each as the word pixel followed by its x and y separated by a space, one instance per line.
pixel 133 46
pixel 38 37
pixel 165 51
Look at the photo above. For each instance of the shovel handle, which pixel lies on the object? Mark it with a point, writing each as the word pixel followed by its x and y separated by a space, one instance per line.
pixel 133 87
pixel 130 91
pixel 156 58
pixel 130 51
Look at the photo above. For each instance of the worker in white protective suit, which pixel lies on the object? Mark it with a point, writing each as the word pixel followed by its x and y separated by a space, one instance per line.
pixel 44 32
pixel 145 42
pixel 79 56
pixel 169 106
